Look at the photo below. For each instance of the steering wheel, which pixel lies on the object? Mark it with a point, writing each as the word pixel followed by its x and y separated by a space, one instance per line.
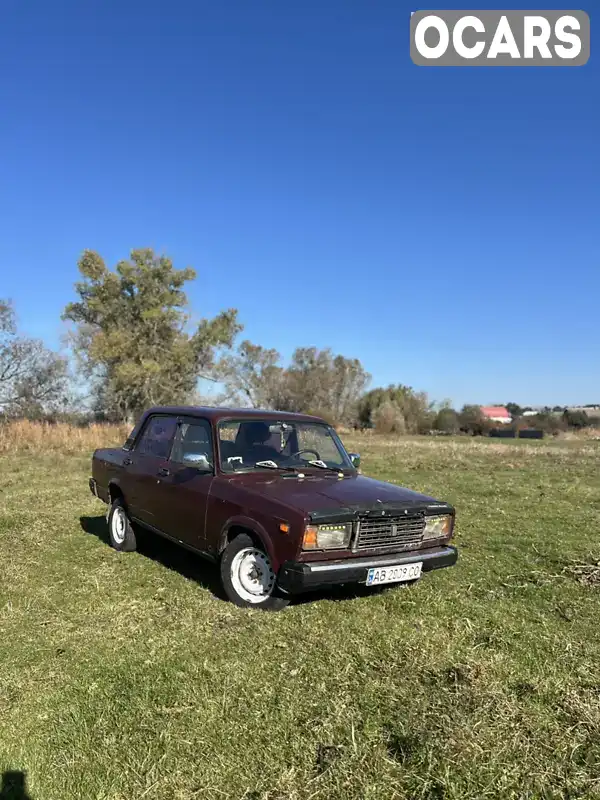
pixel 299 453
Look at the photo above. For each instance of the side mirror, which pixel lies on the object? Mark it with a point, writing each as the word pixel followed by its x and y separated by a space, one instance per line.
pixel 197 460
pixel 355 459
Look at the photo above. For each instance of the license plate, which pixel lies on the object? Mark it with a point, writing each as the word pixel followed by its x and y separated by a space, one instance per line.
pixel 394 574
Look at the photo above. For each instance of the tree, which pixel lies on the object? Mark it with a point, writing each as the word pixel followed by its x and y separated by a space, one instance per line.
pixel 447 421
pixel 32 378
pixel 132 335
pixel 321 383
pixel 514 409
pixel 252 376
pixel 388 418
pixel 546 421
pixel 315 382
pixel 414 407
pixel 473 421
pixel 576 419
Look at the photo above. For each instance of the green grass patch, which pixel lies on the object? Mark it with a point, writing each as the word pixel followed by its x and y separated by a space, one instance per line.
pixel 126 676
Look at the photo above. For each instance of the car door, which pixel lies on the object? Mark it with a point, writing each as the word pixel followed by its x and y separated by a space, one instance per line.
pixel 146 467
pixel 182 494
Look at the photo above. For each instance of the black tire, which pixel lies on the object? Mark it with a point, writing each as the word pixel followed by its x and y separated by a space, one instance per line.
pixel 120 530
pixel 237 584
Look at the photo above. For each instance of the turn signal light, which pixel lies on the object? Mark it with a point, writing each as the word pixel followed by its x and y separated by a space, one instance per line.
pixel 310 537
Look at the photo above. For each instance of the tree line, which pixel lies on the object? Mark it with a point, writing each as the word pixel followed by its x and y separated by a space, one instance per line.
pixel 133 344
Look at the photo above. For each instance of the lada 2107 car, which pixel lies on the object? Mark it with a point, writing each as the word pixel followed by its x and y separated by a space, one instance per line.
pixel 273 498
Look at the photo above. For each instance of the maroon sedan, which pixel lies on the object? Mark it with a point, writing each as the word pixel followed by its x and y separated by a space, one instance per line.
pixel 273 498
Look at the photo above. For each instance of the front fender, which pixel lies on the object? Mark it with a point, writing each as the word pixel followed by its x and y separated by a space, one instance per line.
pixel 255 527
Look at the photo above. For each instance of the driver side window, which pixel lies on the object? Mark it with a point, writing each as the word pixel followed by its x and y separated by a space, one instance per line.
pixel 193 445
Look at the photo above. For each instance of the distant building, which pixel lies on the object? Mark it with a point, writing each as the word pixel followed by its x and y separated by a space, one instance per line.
pixel 496 414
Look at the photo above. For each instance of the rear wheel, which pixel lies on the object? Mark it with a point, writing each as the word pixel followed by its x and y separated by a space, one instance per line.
pixel 122 536
pixel 248 577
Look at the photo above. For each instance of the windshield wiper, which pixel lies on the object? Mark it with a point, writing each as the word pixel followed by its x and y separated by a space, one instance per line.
pixel 273 465
pixel 323 465
pixel 269 464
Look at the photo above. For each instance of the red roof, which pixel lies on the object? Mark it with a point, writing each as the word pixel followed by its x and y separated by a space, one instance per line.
pixel 495 411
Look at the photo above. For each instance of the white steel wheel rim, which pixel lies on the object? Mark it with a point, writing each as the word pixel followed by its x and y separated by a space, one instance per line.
pixel 252 575
pixel 118 525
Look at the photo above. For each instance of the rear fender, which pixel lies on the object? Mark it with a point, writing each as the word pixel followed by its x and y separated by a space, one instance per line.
pixel 114 490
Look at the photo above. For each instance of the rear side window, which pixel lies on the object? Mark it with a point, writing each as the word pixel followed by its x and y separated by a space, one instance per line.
pixel 156 437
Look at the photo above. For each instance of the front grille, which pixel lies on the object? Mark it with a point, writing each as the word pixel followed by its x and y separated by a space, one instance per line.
pixel 395 532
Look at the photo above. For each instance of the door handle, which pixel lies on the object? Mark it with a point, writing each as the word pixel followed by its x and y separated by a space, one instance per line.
pixel 127 462
pixel 163 472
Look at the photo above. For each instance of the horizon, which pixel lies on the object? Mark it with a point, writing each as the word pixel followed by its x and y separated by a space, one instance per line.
pixel 439 224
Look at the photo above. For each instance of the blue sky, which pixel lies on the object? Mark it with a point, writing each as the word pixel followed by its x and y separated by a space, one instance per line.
pixel 440 224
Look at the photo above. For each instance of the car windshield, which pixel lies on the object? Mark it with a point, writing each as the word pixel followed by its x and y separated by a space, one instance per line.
pixel 253 444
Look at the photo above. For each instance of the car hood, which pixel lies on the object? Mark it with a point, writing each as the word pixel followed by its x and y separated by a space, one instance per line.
pixel 323 496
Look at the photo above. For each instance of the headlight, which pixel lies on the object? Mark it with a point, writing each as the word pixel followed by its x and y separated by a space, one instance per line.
pixel 327 537
pixel 438 527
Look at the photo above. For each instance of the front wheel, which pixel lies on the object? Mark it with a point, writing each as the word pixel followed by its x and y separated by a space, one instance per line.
pixel 248 577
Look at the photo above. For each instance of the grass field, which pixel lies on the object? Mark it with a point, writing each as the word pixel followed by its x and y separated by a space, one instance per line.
pixel 126 677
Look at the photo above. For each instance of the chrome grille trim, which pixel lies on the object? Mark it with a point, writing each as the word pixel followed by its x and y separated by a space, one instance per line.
pixel 396 531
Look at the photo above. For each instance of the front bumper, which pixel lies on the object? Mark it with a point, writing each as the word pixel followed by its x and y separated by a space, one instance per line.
pixel 298 576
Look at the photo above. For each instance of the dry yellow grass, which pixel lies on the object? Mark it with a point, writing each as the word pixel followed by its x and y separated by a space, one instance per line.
pixel 585 433
pixel 21 436
pixel 583 441
pixel 27 436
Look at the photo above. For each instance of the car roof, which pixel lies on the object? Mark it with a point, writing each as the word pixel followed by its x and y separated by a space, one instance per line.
pixel 216 413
